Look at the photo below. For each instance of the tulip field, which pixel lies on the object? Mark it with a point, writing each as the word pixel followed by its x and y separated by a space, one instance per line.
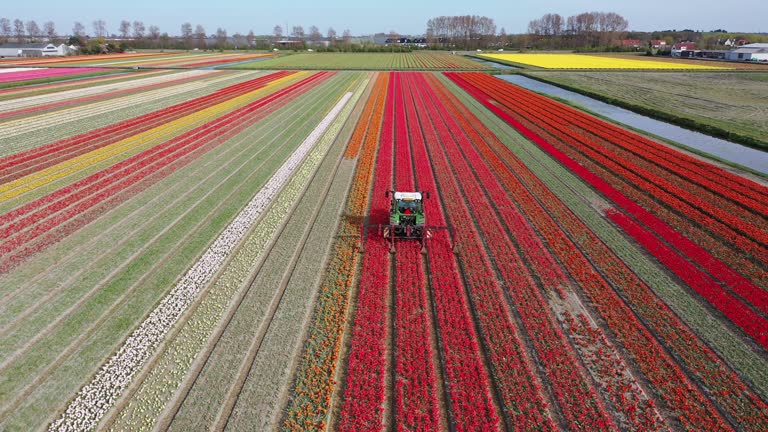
pixel 600 62
pixel 429 60
pixel 189 249
pixel 171 59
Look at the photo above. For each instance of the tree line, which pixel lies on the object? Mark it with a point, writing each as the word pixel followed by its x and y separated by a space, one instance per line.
pixel 588 29
pixel 461 32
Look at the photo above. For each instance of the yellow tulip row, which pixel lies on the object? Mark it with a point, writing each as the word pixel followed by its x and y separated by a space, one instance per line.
pixel 580 61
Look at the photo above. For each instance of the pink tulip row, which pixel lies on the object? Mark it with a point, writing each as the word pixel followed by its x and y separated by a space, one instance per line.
pixel 44 73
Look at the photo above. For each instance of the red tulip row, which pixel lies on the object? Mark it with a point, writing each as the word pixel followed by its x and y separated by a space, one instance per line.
pixel 639 413
pixel 96 97
pixel 416 404
pixel 718 218
pixel 315 377
pixel 728 390
pixel 362 408
pixel 49 218
pixel 546 267
pixel 708 288
pixel 728 185
pixel 752 323
pixel 538 110
pixel 26 162
pixel 581 406
pixel 471 404
pixel 521 393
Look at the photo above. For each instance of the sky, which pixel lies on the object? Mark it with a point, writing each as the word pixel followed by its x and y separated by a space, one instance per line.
pixel 367 17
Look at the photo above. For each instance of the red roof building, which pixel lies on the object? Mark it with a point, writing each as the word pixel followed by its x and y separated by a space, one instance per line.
pixel 684 46
pixel 630 43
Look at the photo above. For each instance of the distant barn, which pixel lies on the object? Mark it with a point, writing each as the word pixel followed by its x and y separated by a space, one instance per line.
pixel 749 52
pixel 33 50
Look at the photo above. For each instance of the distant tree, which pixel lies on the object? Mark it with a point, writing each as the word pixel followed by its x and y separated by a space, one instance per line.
pixel 154 33
pixel 18 30
pixel 49 28
pixel 186 34
pixel 393 35
pixel 239 40
pixel 347 36
pixel 78 34
pixel 78 29
pixel 100 28
pixel 221 38
pixel 138 30
pixel 250 38
pixel 331 34
pixel 314 34
pixel 200 37
pixel 297 32
pixel 278 32
pixel 5 29
pixel 125 29
pixel 33 30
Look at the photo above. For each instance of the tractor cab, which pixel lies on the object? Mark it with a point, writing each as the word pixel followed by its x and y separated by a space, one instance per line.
pixel 406 214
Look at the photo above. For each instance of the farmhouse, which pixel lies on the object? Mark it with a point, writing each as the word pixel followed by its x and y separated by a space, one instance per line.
pixel 749 52
pixel 683 49
pixel 34 50
pixel 658 43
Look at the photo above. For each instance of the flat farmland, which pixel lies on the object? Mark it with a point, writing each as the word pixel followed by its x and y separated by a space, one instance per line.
pixel 203 254
pixel 149 60
pixel 369 61
pixel 732 102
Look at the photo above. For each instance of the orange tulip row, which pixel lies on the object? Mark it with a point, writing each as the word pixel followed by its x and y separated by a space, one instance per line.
pixel 315 377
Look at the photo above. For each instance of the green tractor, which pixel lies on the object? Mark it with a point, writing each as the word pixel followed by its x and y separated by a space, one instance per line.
pixel 407 219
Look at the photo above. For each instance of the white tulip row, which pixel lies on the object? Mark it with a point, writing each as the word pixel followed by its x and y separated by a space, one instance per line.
pixel 100 394
pixel 11 70
pixel 170 370
pixel 14 104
